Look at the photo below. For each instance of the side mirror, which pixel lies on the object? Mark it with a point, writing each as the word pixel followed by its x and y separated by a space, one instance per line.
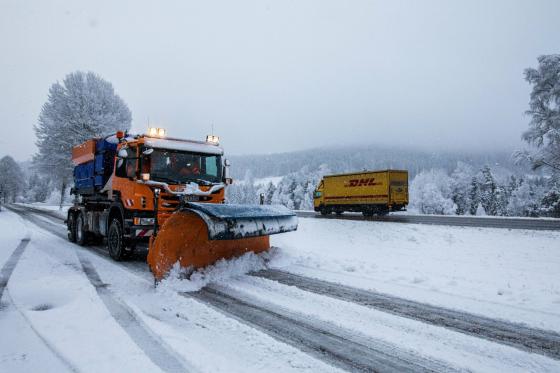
pixel 228 180
pixel 227 162
pixel 122 153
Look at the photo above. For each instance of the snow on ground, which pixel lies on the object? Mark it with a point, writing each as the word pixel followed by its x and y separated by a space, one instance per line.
pixel 55 320
pixel 67 327
pixel 509 274
pixel 50 291
pixel 13 229
pixel 463 351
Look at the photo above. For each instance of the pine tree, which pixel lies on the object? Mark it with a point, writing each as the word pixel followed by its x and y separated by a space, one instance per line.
pixel 544 110
pixel 474 197
pixel 269 193
pixel 488 192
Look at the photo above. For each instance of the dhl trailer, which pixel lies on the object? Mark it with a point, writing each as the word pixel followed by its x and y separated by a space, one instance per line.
pixel 368 192
pixel 168 194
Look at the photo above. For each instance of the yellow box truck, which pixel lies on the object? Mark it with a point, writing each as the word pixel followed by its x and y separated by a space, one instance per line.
pixel 368 192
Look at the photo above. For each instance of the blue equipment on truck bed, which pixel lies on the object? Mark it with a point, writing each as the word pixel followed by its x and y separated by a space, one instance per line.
pixel 90 176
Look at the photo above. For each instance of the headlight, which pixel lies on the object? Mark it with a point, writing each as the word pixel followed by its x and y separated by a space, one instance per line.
pixel 144 221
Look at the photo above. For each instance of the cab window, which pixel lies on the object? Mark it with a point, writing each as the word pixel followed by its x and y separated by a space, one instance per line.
pixel 127 167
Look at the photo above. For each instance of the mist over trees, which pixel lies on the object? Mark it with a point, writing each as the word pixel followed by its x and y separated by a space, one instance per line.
pixel 81 107
pixel 462 183
pixel 496 184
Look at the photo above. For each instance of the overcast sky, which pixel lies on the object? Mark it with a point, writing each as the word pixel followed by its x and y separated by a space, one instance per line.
pixel 276 76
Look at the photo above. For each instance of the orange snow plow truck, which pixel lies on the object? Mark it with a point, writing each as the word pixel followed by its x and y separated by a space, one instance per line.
pixel 168 194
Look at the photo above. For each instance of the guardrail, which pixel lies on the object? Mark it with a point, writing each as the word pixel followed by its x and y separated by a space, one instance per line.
pixel 451 220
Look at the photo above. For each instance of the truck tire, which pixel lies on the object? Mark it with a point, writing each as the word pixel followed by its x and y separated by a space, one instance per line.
pixel 71 224
pixel 367 213
pixel 81 233
pixel 115 241
pixel 324 211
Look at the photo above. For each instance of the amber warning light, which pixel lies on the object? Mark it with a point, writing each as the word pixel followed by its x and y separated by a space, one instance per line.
pixel 156 132
pixel 212 139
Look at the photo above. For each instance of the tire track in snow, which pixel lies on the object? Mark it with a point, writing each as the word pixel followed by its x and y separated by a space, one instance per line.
pixel 525 338
pixel 5 275
pixel 150 344
pixel 11 263
pixel 321 340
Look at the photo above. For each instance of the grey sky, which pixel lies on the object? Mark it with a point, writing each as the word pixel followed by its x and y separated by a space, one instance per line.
pixel 284 75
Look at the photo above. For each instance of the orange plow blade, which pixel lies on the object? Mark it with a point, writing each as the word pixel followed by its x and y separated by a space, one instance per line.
pixel 201 234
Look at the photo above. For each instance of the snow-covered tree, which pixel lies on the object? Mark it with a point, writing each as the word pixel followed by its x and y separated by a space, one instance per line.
pixel 525 200
pixel 12 182
pixel 83 106
pixel 474 196
pixel 461 178
pixel 37 188
pixel 544 110
pixel 551 203
pixel 269 193
pixel 430 192
pixel 487 188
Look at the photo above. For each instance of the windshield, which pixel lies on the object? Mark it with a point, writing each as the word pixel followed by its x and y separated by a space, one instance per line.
pixel 178 167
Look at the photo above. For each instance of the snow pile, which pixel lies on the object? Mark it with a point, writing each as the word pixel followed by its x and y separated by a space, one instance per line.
pixel 185 280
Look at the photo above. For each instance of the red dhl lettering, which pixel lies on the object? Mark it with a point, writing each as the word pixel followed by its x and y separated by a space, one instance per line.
pixel 361 182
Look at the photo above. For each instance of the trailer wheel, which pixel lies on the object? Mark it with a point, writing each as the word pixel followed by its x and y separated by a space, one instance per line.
pixel 367 213
pixel 81 233
pixel 71 224
pixel 115 241
pixel 338 212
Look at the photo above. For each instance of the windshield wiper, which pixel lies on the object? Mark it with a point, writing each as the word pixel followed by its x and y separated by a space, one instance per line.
pixel 167 179
pixel 205 182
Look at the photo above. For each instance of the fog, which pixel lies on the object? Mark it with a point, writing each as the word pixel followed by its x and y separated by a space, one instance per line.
pixel 286 75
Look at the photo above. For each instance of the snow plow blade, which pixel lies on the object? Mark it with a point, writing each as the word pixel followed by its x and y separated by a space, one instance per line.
pixel 200 234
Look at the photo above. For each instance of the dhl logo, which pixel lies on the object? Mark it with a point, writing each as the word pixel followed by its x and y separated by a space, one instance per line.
pixel 361 182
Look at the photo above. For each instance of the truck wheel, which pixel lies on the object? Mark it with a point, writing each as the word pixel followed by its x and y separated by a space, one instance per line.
pixel 81 233
pixel 324 211
pixel 71 224
pixel 115 241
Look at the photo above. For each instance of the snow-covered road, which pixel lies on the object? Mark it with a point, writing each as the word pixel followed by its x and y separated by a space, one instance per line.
pixel 71 308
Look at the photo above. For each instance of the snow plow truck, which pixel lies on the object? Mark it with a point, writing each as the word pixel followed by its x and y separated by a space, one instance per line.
pixel 168 194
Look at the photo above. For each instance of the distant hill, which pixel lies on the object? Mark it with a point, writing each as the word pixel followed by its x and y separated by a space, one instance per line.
pixel 350 158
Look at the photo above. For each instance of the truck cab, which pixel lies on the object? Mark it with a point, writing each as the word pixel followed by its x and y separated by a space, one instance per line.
pixel 144 180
